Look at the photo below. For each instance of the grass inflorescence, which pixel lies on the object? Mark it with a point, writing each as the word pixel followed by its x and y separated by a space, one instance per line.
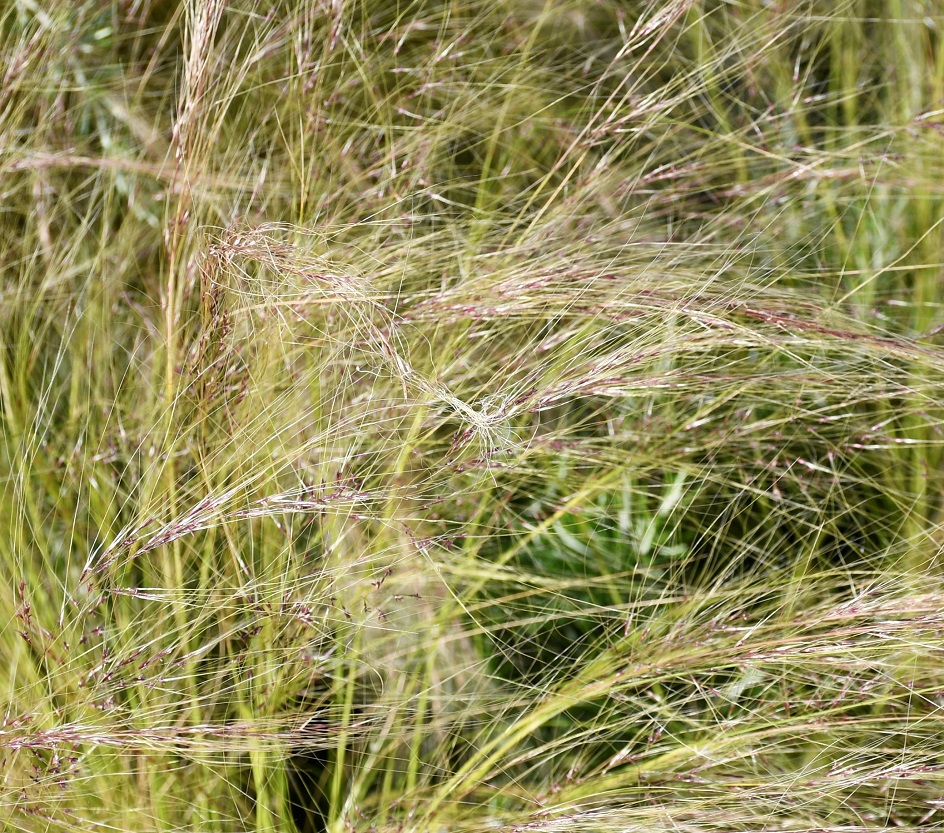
pixel 424 416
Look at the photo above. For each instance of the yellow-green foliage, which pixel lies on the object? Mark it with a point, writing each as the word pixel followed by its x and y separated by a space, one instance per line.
pixel 475 415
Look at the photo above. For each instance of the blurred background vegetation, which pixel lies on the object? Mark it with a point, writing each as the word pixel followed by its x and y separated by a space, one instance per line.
pixel 473 415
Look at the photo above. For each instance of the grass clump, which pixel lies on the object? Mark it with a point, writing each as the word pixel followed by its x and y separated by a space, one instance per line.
pixel 469 415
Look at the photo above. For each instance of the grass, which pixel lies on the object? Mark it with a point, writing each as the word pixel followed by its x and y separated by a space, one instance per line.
pixel 425 416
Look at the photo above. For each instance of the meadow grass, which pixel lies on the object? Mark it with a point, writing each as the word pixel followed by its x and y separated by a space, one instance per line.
pixel 460 416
